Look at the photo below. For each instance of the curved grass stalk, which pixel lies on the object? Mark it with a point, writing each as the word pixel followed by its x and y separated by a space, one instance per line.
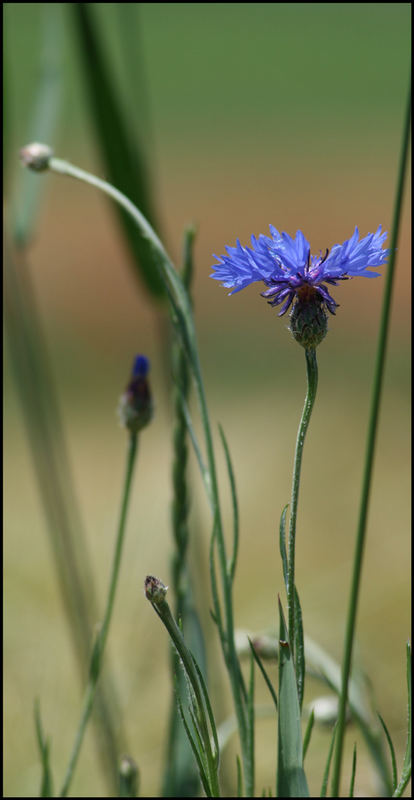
pixel 183 319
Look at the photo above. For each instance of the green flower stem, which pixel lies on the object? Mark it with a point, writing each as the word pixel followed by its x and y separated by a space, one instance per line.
pixel 180 504
pixel 175 775
pixel 369 457
pixel 182 308
pixel 99 647
pixel 312 378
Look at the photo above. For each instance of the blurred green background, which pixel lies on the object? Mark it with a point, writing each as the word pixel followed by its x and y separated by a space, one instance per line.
pixel 250 114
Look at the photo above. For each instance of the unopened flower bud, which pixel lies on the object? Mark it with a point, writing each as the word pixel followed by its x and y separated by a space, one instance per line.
pixel 36 156
pixel 155 590
pixel 308 320
pixel 135 406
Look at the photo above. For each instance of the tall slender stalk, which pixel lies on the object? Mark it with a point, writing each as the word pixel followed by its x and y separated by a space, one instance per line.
pixel 312 379
pixel 99 647
pixel 369 457
pixel 180 778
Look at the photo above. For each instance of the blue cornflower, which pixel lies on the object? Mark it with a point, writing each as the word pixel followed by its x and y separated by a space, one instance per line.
pixel 291 273
pixel 286 266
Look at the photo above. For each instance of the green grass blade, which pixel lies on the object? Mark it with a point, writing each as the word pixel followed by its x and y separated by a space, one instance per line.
pixel 308 733
pixel 282 543
pixel 209 710
pixel 353 772
pixel 407 757
pixel 406 770
pixel 216 613
pixel 392 753
pixel 291 779
pixel 264 673
pixel 199 760
pixel 299 650
pixel 250 727
pixel 196 447
pixel 233 560
pixel 124 161
pixel 46 783
pixel 240 790
pixel 325 778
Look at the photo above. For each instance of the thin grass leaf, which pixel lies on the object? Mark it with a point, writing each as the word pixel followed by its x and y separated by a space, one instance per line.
pixel 124 161
pixel 43 744
pixel 406 770
pixel 240 788
pixel 216 613
pixel 233 560
pixel 250 725
pixel 200 765
pixel 209 710
pixel 181 776
pixel 353 772
pixel 194 441
pixel 291 779
pixel 308 733
pixel 282 543
pixel 392 753
pixel 192 710
pixel 264 673
pixel 325 778
pixel 299 650
pixel 407 757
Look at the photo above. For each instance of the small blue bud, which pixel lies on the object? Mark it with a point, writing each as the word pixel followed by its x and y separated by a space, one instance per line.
pixel 135 406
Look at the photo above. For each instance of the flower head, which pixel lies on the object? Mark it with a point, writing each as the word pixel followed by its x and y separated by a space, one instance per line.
pixel 291 273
